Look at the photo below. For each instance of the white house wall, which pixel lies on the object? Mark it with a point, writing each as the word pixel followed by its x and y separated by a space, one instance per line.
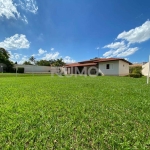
pixel 145 69
pixel 114 68
pixel 38 69
pixel 123 68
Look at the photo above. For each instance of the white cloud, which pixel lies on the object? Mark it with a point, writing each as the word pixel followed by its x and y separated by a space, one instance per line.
pixel 115 45
pixel 49 56
pixel 97 48
pixel 17 57
pixel 108 53
pixel 24 18
pixel 8 9
pixel 68 59
pixel 23 59
pixel 29 5
pixel 52 49
pixel 128 52
pixel 123 49
pixel 18 41
pixel 41 51
pixel 137 35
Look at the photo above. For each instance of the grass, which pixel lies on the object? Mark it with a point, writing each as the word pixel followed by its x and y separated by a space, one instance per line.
pixel 43 112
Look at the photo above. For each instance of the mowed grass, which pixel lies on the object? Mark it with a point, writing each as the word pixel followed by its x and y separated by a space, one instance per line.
pixel 78 113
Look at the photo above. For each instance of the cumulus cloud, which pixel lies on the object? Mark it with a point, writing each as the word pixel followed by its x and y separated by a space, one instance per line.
pixel 68 59
pixel 137 35
pixel 8 9
pixel 14 57
pixel 18 41
pixel 49 56
pixel 52 49
pixel 123 48
pixel 41 51
pixel 23 59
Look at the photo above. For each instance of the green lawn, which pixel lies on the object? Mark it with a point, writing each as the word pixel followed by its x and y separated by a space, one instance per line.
pixel 78 113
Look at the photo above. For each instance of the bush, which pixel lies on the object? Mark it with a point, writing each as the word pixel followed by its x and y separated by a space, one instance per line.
pixel 99 74
pixel 135 69
pixel 135 75
pixel 20 70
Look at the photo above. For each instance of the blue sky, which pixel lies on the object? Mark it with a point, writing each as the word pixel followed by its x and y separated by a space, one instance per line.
pixel 75 30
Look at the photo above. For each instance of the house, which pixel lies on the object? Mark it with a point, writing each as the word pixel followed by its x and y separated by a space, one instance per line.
pixel 145 69
pixel 104 66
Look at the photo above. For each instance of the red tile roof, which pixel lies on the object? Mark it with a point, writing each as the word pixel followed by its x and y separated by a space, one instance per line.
pixel 111 59
pixel 79 64
pixel 93 62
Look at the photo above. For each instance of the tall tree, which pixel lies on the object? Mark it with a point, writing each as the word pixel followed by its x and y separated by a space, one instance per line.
pixel 4 58
pixel 4 55
pixel 32 59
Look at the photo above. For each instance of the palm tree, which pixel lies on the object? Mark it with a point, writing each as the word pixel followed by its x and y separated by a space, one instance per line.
pixel 32 59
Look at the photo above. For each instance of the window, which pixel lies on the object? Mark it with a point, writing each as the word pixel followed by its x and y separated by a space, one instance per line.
pixel 107 66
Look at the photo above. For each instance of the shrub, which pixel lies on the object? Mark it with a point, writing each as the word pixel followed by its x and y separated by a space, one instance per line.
pixel 135 75
pixel 99 74
pixel 20 70
pixel 135 71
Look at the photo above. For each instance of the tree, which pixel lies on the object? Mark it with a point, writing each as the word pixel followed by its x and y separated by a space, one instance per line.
pixel 59 62
pixel 27 63
pixel 32 59
pixel 43 63
pixel 4 58
pixel 52 62
pixel 4 55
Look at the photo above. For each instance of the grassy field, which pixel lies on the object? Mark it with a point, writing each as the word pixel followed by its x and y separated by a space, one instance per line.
pixel 76 113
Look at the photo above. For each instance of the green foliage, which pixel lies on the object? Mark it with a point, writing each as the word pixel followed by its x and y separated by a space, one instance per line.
pixel 43 63
pixel 52 62
pixel 99 74
pixel 135 75
pixel 101 113
pixel 58 63
pixel 27 63
pixel 4 58
pixel 20 70
pixel 135 71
